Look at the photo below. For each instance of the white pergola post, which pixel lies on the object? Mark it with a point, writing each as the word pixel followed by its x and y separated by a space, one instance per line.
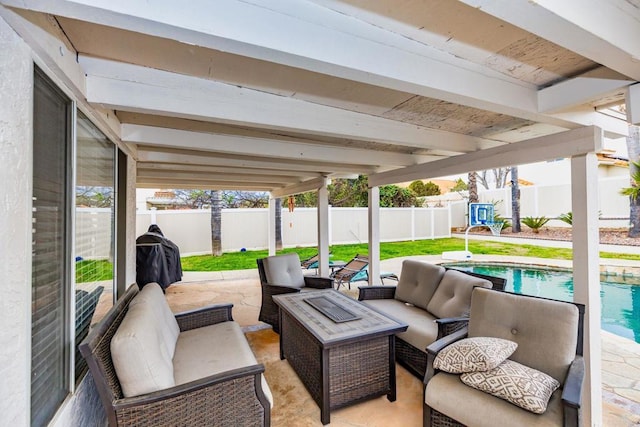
pixel 586 277
pixel 632 100
pixel 271 234
pixel 323 230
pixel 374 236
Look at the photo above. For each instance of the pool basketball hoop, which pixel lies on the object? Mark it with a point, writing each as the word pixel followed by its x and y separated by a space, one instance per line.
pixel 495 227
pixel 480 215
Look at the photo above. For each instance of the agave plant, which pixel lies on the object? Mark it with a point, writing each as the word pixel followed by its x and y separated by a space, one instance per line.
pixel 535 223
pixel 566 218
pixel 634 191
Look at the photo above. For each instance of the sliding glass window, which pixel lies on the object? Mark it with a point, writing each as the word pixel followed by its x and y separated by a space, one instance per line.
pixel 51 248
pixel 65 307
pixel 94 229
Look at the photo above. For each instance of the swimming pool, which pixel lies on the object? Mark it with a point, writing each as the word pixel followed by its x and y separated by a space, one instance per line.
pixel 620 301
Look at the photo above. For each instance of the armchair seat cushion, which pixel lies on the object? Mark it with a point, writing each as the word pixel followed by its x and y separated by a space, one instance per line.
pixel 212 350
pixel 284 270
pixel 447 392
pixel 422 329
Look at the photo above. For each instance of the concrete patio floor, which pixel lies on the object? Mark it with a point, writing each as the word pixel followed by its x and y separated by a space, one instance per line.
pixel 620 356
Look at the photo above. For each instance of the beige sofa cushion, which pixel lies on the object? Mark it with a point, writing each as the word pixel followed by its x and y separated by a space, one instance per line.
pixel 453 296
pixel 168 326
pixel 418 282
pixel 479 409
pixel 212 350
pixel 139 353
pixel 546 331
pixel 284 270
pixel 422 329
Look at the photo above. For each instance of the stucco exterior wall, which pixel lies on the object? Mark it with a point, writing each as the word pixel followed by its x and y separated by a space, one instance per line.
pixel 16 137
pixel 83 407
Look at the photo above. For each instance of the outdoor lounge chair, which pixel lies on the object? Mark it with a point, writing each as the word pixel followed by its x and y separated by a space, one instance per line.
pixel 310 262
pixel 517 388
pixel 356 270
pixel 281 274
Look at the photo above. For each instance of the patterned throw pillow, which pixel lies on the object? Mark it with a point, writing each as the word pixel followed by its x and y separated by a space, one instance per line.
pixel 523 386
pixel 474 355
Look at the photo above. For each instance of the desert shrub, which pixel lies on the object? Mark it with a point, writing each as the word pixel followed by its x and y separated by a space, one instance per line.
pixel 535 223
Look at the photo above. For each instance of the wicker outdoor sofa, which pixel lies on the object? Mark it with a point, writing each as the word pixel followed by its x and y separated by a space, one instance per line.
pixel 196 368
pixel 433 300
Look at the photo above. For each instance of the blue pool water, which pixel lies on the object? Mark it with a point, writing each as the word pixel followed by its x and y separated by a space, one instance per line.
pixel 620 301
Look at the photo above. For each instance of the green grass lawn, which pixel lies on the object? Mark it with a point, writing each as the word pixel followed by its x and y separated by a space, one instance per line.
pixel 246 260
pixel 93 271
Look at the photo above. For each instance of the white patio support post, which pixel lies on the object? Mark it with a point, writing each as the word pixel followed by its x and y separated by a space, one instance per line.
pixel 586 277
pixel 374 236
pixel 323 230
pixel 271 234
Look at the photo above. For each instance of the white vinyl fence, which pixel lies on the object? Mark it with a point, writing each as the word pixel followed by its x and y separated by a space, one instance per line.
pixel 247 228
pixel 552 200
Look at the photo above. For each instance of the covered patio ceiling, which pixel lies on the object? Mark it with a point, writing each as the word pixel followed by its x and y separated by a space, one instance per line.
pixel 279 95
pixel 276 96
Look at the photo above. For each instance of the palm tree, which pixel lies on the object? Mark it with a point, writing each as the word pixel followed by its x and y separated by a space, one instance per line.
pixel 633 148
pixel 216 223
pixel 515 201
pixel 473 187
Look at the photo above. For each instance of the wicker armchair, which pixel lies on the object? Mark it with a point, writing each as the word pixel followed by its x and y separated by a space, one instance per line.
pixel 549 335
pixel 282 274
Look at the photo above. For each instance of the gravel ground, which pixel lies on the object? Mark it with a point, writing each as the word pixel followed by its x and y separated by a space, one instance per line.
pixel 607 236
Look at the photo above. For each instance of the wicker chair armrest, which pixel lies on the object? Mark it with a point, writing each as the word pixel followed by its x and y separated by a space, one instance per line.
pixel 204 316
pixel 200 401
pixel 318 282
pixel 449 325
pixel 436 347
pixel 376 292
pixel 572 390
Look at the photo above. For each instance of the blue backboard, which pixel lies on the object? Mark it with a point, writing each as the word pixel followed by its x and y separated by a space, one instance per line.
pixel 480 214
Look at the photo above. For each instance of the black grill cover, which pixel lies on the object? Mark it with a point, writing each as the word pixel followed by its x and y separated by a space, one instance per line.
pixel 157 259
